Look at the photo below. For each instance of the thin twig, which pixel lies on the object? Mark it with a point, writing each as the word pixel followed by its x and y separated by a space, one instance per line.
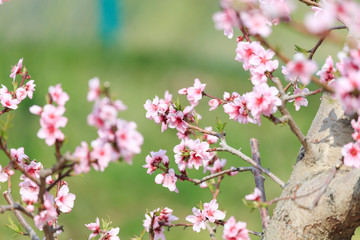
pixel 292 124
pixel 21 219
pixel 310 3
pixel 15 206
pixel 226 148
pixel 13 161
pixel 259 181
pixel 255 233
pixel 321 40
pixel 302 95
pixel 218 174
pixel 211 231
pixel 219 135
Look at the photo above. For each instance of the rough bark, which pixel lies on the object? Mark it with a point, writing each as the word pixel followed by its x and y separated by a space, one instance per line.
pixel 338 213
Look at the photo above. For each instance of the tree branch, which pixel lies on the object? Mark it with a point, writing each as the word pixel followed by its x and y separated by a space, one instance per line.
pixel 226 148
pixel 310 3
pixel 292 124
pixel 259 181
pixel 20 217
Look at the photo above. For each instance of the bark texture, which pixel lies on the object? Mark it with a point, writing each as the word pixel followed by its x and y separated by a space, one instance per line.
pixel 338 211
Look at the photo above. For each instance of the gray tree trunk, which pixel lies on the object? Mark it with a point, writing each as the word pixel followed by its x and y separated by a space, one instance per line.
pixel 338 211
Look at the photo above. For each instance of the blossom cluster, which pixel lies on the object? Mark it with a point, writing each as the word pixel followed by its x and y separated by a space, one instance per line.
pixel 11 99
pixel 51 116
pixel 117 138
pixel 256 16
pixel 351 151
pixel 347 85
pixel 209 213
pixel 331 11
pixel 50 205
pixel 106 233
pixel 235 230
pixel 157 220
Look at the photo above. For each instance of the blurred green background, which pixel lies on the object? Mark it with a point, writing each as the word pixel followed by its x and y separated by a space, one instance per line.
pixel 156 46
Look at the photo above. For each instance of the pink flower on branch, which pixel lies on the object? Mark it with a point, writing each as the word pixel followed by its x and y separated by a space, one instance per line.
pixel 226 20
pixel 198 219
pixel 168 180
pixel 157 220
pixel 95 227
pixel 262 100
pixel 65 200
pixel 58 95
pixel 155 159
pixel 255 196
pixel 300 101
pixel 238 110
pixel 16 69
pixel 211 211
pixel 351 154
pixel 235 230
pixel 300 68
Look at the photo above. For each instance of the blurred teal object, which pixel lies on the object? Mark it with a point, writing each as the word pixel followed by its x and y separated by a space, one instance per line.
pixel 110 20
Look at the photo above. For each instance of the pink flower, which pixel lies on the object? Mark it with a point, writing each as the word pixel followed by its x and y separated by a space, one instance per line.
pixel 35 109
pixel 194 94
pixel 351 154
pixel 156 158
pixel 347 90
pixel 181 158
pixel 319 21
pixel 16 69
pixel 238 110
pixel 277 8
pixel 21 93
pixel 176 120
pixel 82 153
pixel 18 155
pixel 168 180
pixel 226 20
pixel 210 138
pixel 48 215
pixel 257 76
pixel 262 61
pixel 157 219
pixel 300 68
pixel 112 234
pixel 65 200
pixel 102 152
pixel 356 126
pixel 199 154
pixel 94 89
pixel 235 230
pixel 29 191
pixel 256 22
pixel 262 100
pixel 218 166
pixel 8 101
pixel 245 51
pixel 211 211
pixel 128 139
pixel 58 95
pixel 327 71
pixel 256 196
pixel 30 88
pixel 300 101
pixel 198 219
pixel 95 227
pixel 214 103
pixel 3 175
